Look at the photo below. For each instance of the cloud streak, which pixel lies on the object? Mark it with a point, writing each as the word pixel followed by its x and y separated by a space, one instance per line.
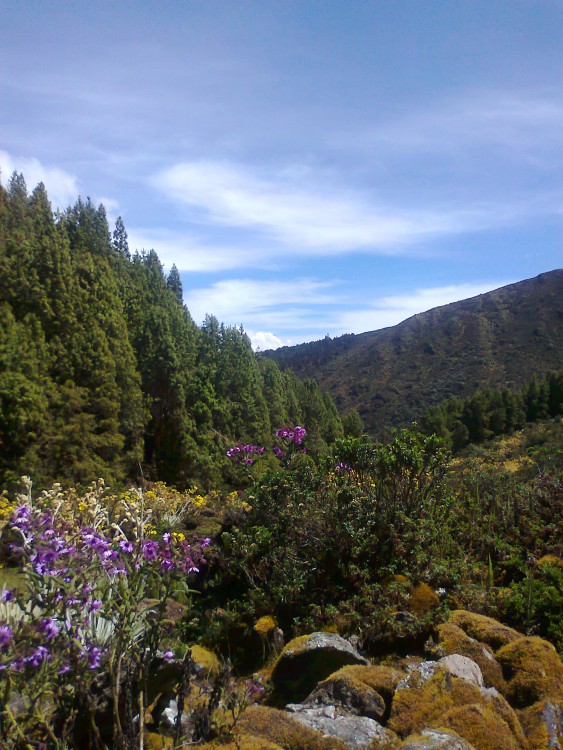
pixel 62 187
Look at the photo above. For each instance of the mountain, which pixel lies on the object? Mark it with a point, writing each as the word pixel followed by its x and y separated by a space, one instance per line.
pixel 502 338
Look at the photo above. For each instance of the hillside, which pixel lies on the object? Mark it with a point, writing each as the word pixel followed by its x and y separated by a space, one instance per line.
pixel 391 376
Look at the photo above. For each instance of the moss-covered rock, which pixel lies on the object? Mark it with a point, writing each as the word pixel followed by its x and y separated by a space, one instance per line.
pixel 454 640
pixel 205 661
pixel 309 659
pixel 532 670
pixel 356 732
pixel 423 701
pixel 484 629
pixel 154 741
pixel 436 739
pixel 363 690
pixel 543 724
pixel 482 727
pixel 283 729
pixel 422 599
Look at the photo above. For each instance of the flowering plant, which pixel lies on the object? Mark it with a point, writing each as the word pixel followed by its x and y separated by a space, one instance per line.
pixel 82 634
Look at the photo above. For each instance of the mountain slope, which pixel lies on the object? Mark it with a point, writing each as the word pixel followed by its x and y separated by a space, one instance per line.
pixel 391 376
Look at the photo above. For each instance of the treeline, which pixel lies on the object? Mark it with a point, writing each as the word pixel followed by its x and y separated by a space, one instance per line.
pixel 103 372
pixel 490 412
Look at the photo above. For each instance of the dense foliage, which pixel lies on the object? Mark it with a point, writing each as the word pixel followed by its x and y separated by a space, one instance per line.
pixel 104 372
pixel 491 412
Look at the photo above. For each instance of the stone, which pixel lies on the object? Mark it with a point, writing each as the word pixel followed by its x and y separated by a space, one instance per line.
pixel 463 667
pixel 356 732
pixel 436 739
pixel 362 690
pixel 484 629
pixel 532 669
pixel 543 724
pixel 453 640
pixel 307 660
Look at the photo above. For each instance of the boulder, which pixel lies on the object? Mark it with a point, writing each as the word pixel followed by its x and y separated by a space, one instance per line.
pixel 543 724
pixel 356 732
pixel 453 640
pixel 426 694
pixel 434 698
pixel 482 727
pixel 484 629
pixel 462 667
pixel 436 739
pixel 532 669
pixel 307 660
pixel 283 729
pixel 362 690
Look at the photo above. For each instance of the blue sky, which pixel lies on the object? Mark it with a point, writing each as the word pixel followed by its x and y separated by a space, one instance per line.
pixel 312 167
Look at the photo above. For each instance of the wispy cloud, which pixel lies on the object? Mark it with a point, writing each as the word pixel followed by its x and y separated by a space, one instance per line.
pixel 299 209
pixel 62 187
pixel 309 309
pixel 257 302
pixel 477 120
pixel 388 311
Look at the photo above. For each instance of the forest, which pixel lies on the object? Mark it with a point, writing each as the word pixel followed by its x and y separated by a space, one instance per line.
pixel 104 372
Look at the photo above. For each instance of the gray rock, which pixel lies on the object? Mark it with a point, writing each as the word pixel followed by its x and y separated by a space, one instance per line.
pixel 436 739
pixel 418 674
pixel 356 732
pixel 552 719
pixel 353 695
pixel 463 667
pixel 307 660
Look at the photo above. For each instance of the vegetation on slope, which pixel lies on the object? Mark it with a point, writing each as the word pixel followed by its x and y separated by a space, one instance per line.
pixel 500 339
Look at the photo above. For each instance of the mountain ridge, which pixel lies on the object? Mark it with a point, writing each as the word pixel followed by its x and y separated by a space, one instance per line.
pixel 500 338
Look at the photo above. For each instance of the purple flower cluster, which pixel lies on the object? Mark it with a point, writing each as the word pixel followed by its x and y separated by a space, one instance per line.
pixel 293 439
pixel 293 435
pixel 343 467
pixel 243 453
pixel 65 565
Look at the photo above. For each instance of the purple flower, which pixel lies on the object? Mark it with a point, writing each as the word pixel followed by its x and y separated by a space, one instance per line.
pixel 150 550
pixel 38 656
pixel 95 605
pixel 65 668
pixel 49 627
pixel 126 546
pixel 8 595
pixel 5 636
pixel 166 537
pixel 168 654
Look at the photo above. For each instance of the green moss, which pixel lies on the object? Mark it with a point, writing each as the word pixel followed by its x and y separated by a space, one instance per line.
pixel 532 669
pixel 535 721
pixel 415 708
pixel 383 680
pixel 423 599
pixel 482 727
pixel 205 659
pixel 455 641
pixel 484 629
pixel 282 729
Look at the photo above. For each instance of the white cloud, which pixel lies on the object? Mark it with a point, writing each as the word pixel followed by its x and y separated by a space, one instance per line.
pixel 257 303
pixel 389 311
pixel 477 120
pixel 298 209
pixel 263 340
pixel 62 187
pixel 192 252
